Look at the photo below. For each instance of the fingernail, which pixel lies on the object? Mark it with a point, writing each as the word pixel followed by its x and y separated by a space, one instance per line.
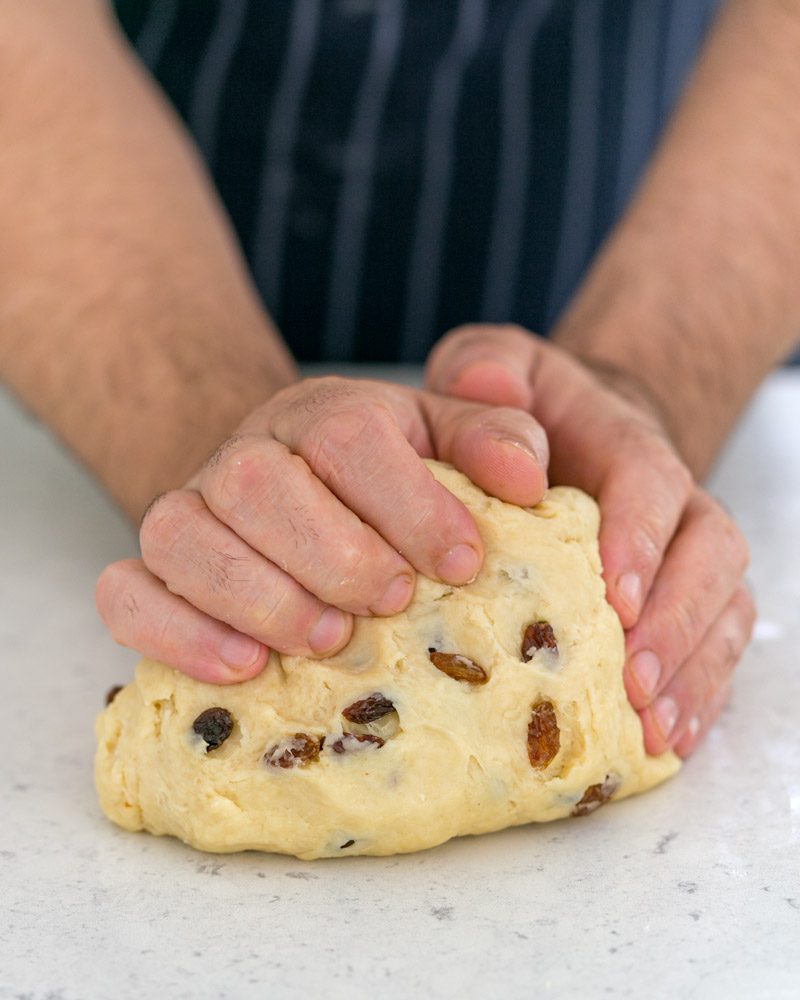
pixel 694 726
pixel 646 668
pixel 665 713
pixel 460 565
pixel 629 586
pixel 530 450
pixel 396 596
pixel 328 631
pixel 239 651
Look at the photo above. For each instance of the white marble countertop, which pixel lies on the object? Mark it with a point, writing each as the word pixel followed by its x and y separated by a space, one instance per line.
pixel 692 890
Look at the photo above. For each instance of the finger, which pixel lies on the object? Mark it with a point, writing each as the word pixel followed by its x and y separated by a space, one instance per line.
pixel 701 571
pixel 502 450
pixel 485 363
pixel 211 567
pixel 141 613
pixel 600 443
pixel 364 442
pixel 275 503
pixel 690 702
pixel 642 495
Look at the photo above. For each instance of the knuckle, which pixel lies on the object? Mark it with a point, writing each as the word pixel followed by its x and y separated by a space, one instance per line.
pixel 317 394
pixel 313 396
pixel 637 441
pixel 352 430
pixel 105 590
pixel 647 541
pixel 115 598
pixel 728 539
pixel 222 450
pixel 165 523
pixel 240 471
pixel 681 627
pixel 276 618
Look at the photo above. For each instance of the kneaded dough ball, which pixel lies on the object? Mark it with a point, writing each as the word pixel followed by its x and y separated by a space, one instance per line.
pixel 477 708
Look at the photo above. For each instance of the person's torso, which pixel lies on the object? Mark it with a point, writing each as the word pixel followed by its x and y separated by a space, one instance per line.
pixel 396 167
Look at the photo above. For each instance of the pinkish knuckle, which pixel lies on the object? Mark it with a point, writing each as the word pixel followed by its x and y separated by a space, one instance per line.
pixel 115 597
pixel 273 617
pixel 164 523
pixel 105 589
pixel 647 540
pixel 241 470
pixel 349 432
pixel 682 627
pixel 729 539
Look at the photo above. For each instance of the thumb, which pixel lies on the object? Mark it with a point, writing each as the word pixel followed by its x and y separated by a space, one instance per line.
pixel 485 363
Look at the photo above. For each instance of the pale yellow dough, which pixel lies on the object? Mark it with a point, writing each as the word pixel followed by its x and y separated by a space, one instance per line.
pixel 457 764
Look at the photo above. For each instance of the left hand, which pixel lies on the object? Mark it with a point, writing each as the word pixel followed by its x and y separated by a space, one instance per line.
pixel 673 559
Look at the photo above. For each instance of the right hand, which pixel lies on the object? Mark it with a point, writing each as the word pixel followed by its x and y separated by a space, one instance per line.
pixel 318 508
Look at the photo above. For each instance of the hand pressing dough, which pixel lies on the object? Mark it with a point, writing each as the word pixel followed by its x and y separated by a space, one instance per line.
pixel 478 708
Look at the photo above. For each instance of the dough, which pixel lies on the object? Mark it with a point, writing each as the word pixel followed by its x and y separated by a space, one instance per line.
pixel 428 725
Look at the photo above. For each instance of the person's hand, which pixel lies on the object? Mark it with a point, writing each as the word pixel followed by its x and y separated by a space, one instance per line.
pixel 673 560
pixel 319 508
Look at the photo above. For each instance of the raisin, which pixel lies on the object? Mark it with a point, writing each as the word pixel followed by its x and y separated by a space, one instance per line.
pixel 544 738
pixel 112 693
pixel 299 750
pixel 596 796
pixel 459 667
pixel 214 725
pixel 348 742
pixel 368 709
pixel 538 635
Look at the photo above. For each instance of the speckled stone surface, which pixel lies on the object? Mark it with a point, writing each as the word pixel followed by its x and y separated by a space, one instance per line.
pixel 692 890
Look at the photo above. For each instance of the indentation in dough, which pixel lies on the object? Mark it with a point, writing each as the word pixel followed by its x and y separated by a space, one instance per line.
pixel 573 743
pixel 162 710
pixel 229 796
pixel 474 769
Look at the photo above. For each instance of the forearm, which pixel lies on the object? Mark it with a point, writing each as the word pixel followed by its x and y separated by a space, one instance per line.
pixel 696 291
pixel 127 320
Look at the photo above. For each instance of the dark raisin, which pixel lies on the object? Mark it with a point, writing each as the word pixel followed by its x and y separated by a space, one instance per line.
pixel 459 667
pixel 112 693
pixel 347 843
pixel 544 739
pixel 596 796
pixel 214 725
pixel 299 750
pixel 538 635
pixel 368 709
pixel 349 742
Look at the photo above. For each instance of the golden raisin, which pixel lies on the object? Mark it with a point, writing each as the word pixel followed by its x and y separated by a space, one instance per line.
pixel 596 796
pixel 544 739
pixel 538 635
pixel 299 750
pixel 214 725
pixel 368 709
pixel 459 667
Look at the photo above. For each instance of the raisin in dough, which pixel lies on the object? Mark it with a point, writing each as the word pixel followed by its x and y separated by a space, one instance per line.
pixel 428 725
